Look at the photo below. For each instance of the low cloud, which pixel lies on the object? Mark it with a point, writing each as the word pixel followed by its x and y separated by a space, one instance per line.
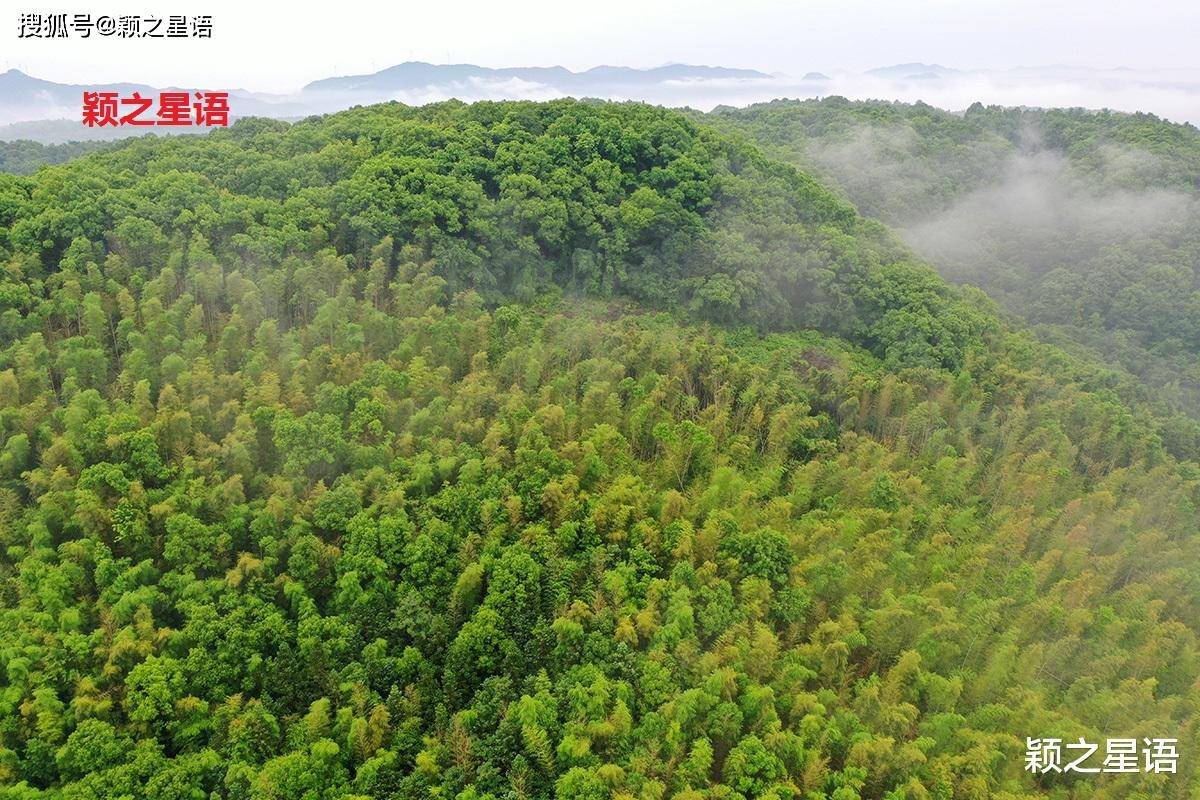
pixel 1041 214
pixel 475 89
pixel 1174 95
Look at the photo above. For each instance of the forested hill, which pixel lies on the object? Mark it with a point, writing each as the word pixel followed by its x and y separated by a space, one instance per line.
pixel 24 156
pixel 1086 224
pixel 509 200
pixel 552 450
pixel 937 157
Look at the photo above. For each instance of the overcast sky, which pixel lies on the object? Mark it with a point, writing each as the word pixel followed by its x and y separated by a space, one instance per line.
pixel 279 46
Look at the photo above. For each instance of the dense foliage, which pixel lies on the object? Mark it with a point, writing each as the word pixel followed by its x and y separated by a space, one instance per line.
pixel 359 458
pixel 25 156
pixel 1084 223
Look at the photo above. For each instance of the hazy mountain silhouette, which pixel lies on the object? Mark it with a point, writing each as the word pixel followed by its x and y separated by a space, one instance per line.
pixel 49 112
pixel 419 74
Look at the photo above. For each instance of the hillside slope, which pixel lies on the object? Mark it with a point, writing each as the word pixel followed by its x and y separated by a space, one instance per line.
pixel 25 156
pixel 1083 223
pixel 520 450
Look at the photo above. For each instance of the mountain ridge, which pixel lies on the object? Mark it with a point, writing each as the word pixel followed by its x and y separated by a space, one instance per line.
pixel 412 74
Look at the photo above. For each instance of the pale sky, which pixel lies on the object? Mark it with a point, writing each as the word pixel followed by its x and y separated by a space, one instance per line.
pixel 277 47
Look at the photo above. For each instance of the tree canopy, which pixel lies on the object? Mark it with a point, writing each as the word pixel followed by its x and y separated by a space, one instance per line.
pixel 559 450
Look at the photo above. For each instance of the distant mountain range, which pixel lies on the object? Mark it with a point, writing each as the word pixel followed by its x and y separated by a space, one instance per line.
pixel 18 90
pixel 27 103
pixel 49 112
pixel 417 75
